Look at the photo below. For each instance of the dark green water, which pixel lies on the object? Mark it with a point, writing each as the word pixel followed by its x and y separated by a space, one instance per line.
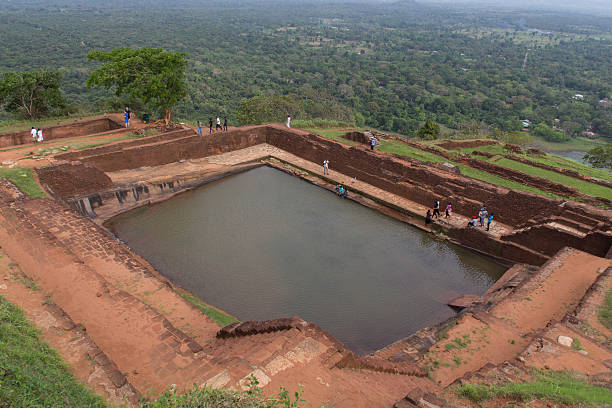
pixel 264 244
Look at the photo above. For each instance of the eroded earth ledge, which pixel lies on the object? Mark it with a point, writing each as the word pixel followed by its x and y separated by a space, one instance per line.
pixel 142 335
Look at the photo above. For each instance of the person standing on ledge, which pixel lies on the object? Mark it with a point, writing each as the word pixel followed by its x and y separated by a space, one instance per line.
pixel 199 128
pixel 225 123
pixel 210 125
pixel 33 133
pixel 288 121
pixel 436 212
pixel 326 167
pixel 126 116
pixel 372 143
pixel 219 124
pixel 428 217
pixel 449 210
pixel 490 221
pixel 40 136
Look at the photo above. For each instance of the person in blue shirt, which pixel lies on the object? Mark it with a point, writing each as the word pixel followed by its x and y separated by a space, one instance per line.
pixel 126 116
pixel 490 221
pixel 372 143
pixel 199 128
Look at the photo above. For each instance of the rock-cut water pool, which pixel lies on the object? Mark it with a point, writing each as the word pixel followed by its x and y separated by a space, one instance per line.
pixel 264 244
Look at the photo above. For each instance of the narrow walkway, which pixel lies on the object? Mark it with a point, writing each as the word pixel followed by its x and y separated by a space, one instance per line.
pixel 264 150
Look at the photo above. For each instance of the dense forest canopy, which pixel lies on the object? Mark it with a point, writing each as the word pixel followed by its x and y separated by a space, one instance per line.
pixel 390 65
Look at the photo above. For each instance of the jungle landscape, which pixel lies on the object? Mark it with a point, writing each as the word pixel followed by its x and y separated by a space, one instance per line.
pixel 477 111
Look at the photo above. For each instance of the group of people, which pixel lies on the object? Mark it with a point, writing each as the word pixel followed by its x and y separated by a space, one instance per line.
pixel 483 215
pixel 436 211
pixel 341 191
pixel 37 135
pixel 218 125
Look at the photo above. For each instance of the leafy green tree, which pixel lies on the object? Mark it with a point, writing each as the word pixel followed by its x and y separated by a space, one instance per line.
pixel 430 130
pixel 265 109
pixel 518 138
pixel 545 132
pixel 600 156
pixel 155 76
pixel 31 94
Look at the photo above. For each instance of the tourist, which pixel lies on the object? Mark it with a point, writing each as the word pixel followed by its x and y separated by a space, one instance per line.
pixel 473 222
pixel 33 133
pixel 288 121
pixel 326 167
pixel 338 187
pixel 372 143
pixel 126 116
pixel 490 221
pixel 40 135
pixel 219 124
pixel 436 209
pixel 428 217
pixel 345 193
pixel 199 128
pixel 210 125
pixel 341 191
pixel 483 214
pixel 225 123
pixel 449 210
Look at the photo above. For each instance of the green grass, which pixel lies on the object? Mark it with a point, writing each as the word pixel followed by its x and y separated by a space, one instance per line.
pixel 560 387
pixel 207 397
pixel 605 312
pixel 23 178
pixel 584 187
pixel 216 315
pixel 319 123
pixel 31 373
pixel 577 143
pixel 334 134
pixel 561 162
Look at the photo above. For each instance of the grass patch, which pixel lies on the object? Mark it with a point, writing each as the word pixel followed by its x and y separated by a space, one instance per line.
pixel 443 333
pixel 320 123
pixel 23 178
pixel 216 315
pixel 31 373
pixel 605 311
pixel 334 134
pixel 92 145
pixel 207 397
pixel 561 387
pixel 584 187
pixel 576 143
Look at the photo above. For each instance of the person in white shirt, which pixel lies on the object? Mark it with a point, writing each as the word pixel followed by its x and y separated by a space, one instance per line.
pixel 288 121
pixel 40 136
pixel 33 133
pixel 326 167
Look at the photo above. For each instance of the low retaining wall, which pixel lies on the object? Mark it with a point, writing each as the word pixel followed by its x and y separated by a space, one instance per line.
pixel 61 131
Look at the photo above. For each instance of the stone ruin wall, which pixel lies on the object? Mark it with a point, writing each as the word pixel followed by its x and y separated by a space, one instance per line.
pixel 417 182
pixel 61 131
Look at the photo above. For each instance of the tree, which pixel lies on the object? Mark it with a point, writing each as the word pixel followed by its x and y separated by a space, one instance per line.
pixel 430 130
pixel 600 156
pixel 151 74
pixel 31 94
pixel 545 132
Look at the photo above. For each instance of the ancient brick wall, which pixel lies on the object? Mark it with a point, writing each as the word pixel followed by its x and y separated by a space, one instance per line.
pixel 189 147
pixel 62 131
pixel 73 178
pixel 549 240
pixel 80 154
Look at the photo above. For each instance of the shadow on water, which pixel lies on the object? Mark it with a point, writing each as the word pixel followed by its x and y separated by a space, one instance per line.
pixel 264 244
